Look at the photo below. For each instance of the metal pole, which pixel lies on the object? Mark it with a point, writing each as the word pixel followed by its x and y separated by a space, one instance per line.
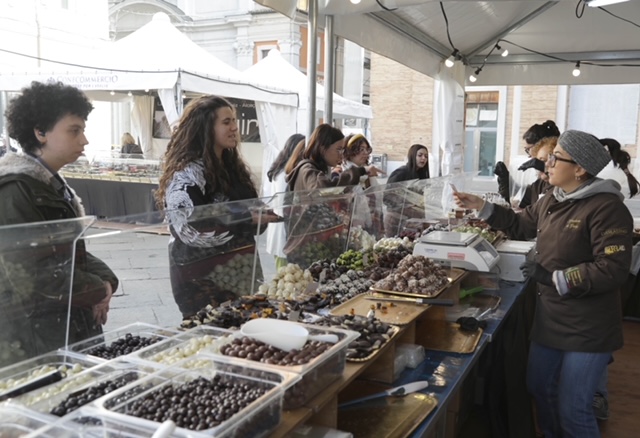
pixel 329 69
pixel 312 56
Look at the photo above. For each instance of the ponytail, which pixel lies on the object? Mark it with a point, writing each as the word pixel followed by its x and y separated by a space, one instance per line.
pixel 621 159
pixel 295 158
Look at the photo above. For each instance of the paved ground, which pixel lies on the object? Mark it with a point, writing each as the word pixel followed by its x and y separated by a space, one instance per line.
pixel 140 260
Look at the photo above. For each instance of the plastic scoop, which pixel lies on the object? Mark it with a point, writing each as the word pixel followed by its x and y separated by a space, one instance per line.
pixel 285 335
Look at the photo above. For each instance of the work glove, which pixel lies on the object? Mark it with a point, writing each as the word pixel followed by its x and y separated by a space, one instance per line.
pixel 536 272
pixel 535 163
pixel 502 173
pixel 501 170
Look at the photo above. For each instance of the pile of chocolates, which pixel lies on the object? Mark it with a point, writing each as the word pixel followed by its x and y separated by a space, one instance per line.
pixel 251 349
pixel 415 274
pixel 196 405
pixel 128 344
pixel 373 333
pixel 87 395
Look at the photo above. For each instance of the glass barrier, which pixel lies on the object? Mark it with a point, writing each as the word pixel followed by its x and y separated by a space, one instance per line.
pixel 314 227
pixel 41 309
pixel 173 264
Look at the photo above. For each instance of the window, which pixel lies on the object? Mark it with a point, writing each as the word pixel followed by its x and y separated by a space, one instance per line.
pixel 481 132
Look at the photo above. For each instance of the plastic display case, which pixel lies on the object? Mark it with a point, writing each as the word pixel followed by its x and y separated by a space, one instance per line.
pixel 122 168
pixel 39 371
pixel 257 418
pixel 317 374
pixel 122 341
pixel 82 389
pixel 36 262
pixel 314 226
pixel 187 344
pixel 16 422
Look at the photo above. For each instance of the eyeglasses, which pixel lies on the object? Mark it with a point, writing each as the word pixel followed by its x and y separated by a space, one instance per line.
pixel 552 159
pixel 527 150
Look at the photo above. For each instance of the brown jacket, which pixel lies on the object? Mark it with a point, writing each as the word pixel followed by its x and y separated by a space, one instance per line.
pixel 588 238
pixel 308 175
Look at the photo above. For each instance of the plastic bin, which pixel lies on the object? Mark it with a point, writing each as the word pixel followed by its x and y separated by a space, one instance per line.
pixel 181 346
pixel 16 421
pixel 319 372
pixel 256 419
pixel 31 369
pixel 46 399
pixel 106 339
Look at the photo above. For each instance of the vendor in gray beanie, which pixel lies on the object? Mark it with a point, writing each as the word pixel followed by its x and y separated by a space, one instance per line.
pixel 584 241
pixel 586 150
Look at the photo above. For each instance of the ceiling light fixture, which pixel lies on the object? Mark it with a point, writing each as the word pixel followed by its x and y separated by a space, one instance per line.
pixel 576 70
pixel 504 53
pixel 598 3
pixel 452 59
pixel 355 2
pixel 129 94
pixel 113 93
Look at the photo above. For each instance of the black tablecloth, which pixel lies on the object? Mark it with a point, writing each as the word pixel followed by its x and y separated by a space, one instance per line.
pixel 109 199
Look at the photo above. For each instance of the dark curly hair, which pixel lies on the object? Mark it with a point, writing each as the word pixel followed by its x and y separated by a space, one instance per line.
pixel 194 140
pixel 354 144
pixel 40 107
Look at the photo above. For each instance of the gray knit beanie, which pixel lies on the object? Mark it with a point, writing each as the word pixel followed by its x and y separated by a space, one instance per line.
pixel 586 150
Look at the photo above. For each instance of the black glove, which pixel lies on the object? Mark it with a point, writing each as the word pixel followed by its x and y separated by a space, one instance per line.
pixel 501 170
pixel 535 163
pixel 536 272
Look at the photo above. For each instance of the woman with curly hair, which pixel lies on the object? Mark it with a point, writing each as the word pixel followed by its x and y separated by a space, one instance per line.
pixel 202 165
pixel 48 121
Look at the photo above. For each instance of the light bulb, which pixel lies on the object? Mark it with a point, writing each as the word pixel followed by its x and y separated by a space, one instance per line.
pixel 576 70
pixel 129 94
pixel 113 93
pixel 505 53
pixel 472 78
pixel 449 62
pixel 355 2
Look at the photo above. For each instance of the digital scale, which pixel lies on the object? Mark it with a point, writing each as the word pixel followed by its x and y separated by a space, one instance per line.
pixel 468 251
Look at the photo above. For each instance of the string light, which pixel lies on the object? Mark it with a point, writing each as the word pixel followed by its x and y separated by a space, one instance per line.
pixel 129 94
pixel 576 70
pixel 452 59
pixel 355 2
pixel 474 76
pixel 113 93
pixel 505 53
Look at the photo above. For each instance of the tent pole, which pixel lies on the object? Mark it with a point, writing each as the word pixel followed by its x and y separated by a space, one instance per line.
pixel 329 69
pixel 312 56
pixel 179 100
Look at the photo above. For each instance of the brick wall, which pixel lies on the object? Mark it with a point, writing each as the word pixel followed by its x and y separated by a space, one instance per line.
pixel 403 102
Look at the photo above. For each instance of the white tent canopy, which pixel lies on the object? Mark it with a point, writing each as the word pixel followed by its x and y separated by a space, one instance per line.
pixel 557 34
pixel 277 71
pixel 160 57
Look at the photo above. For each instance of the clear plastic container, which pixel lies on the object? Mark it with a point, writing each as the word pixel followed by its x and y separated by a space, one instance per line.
pixel 319 372
pixel 106 339
pixel 17 422
pixel 35 368
pixel 184 345
pixel 114 373
pixel 256 419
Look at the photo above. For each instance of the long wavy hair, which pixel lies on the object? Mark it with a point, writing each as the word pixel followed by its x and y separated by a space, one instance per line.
pixel 412 163
pixel 621 159
pixel 193 140
pixel 287 152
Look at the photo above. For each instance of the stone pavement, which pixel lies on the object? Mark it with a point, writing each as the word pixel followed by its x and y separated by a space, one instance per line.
pixel 140 260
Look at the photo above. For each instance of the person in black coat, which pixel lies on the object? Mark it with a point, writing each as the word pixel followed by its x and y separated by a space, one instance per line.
pixel 417 166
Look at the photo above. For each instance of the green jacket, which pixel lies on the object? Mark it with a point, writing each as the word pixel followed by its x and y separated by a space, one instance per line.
pixel 35 277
